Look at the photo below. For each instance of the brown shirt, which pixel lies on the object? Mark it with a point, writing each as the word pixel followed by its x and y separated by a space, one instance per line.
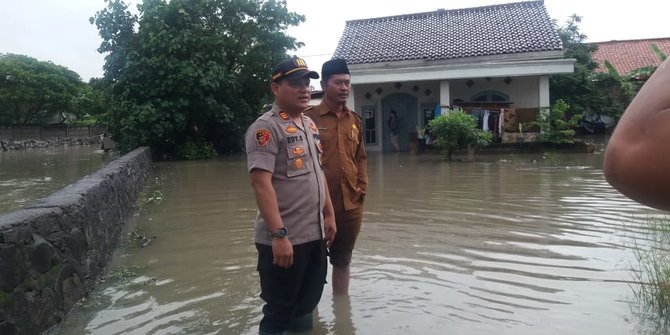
pixel 344 160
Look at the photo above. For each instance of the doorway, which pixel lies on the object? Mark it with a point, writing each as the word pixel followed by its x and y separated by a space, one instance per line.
pixel 405 106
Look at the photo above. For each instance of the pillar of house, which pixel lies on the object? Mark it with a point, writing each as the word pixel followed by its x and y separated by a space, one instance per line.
pixel 351 100
pixel 544 92
pixel 445 96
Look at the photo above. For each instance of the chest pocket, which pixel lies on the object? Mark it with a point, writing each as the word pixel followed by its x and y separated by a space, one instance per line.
pixel 352 135
pixel 297 160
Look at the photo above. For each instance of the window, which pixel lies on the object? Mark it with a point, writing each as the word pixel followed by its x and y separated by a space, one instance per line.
pixel 490 96
pixel 370 119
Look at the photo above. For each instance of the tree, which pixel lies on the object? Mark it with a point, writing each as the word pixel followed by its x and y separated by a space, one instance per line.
pixel 583 89
pixel 33 91
pixel 190 73
pixel 455 130
pixel 91 105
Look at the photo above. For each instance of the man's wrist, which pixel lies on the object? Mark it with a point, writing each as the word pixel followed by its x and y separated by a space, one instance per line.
pixel 280 232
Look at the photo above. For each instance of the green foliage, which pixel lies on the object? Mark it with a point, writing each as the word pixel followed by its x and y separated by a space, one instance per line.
pixel 186 72
pixel 652 272
pixel 582 89
pixel 91 105
pixel 456 129
pixel 555 126
pixel 661 55
pixel 192 150
pixel 36 92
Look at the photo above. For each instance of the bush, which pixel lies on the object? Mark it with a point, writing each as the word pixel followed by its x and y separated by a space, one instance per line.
pixel 455 130
pixel 554 125
pixel 191 150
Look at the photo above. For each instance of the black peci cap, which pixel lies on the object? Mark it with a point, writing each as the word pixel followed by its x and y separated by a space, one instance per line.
pixel 293 68
pixel 334 66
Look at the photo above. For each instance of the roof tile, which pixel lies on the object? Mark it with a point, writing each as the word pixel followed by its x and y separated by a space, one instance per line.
pixel 448 34
pixel 630 55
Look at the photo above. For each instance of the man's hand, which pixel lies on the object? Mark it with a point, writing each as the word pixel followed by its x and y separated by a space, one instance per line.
pixel 330 229
pixel 282 252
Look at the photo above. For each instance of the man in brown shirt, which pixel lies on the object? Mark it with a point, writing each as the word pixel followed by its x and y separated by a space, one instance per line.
pixel 344 163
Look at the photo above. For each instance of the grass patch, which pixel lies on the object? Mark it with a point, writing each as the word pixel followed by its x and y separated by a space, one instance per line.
pixel 651 287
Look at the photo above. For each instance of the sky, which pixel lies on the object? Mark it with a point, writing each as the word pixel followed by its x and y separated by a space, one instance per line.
pixel 59 30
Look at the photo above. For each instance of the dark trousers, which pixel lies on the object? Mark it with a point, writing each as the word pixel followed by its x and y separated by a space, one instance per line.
pixel 293 292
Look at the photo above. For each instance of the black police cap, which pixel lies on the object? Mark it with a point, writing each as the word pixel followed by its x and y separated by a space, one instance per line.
pixel 293 68
pixel 334 66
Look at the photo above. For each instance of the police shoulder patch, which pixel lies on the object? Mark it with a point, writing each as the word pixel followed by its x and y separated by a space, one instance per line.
pixel 262 137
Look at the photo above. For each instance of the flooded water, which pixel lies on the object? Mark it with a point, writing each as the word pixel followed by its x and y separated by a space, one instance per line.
pixel 506 245
pixel 28 175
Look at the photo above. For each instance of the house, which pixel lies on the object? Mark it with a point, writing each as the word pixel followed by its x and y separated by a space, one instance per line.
pixel 492 60
pixel 628 55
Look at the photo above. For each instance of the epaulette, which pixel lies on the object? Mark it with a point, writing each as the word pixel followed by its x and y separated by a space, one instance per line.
pixel 266 116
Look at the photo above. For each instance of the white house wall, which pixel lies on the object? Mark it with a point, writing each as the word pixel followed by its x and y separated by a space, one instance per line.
pixel 427 93
pixel 523 92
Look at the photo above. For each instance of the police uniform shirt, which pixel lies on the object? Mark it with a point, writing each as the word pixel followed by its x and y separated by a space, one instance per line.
pixel 344 158
pixel 291 152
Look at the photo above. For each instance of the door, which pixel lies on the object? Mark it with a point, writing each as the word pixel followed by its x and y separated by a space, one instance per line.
pixel 405 107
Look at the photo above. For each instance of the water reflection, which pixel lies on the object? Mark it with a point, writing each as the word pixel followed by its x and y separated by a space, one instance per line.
pixel 28 175
pixel 508 245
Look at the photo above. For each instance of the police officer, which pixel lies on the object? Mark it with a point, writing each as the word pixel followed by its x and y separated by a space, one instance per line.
pixel 295 221
pixel 345 164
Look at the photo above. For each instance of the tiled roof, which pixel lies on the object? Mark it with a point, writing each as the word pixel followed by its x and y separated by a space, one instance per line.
pixel 512 28
pixel 630 55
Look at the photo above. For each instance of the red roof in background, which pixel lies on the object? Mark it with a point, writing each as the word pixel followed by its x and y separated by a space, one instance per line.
pixel 630 55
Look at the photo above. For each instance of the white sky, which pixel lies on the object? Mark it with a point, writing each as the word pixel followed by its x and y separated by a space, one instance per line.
pixel 59 31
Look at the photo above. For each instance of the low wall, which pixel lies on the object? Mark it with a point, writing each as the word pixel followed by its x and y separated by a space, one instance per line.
pixel 28 132
pixel 52 252
pixel 9 145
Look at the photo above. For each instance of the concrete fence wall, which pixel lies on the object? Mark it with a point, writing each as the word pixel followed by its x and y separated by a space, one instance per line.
pixel 37 132
pixel 52 252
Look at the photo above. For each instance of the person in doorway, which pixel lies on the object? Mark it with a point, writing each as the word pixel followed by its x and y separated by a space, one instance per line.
pixel 637 158
pixel 392 123
pixel 295 222
pixel 345 163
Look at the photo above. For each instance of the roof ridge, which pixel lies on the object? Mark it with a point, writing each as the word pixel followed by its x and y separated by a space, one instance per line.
pixel 442 10
pixel 632 40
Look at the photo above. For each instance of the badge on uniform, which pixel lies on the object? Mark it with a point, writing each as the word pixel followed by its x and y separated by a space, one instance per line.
pixel 297 151
pixel 291 129
pixel 283 116
pixel 262 137
pixel 298 163
pixel 313 127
